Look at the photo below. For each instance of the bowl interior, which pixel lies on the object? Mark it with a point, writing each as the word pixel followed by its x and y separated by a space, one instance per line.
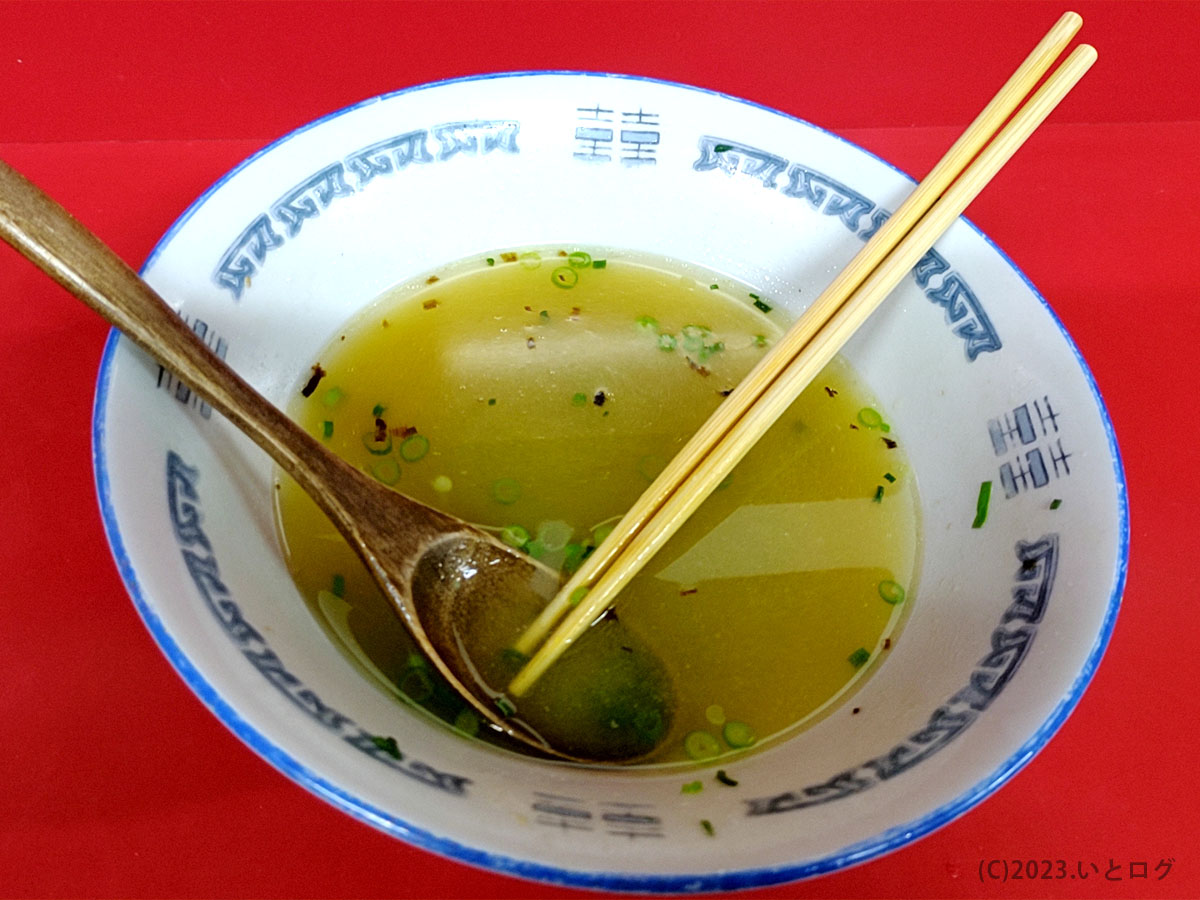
pixel 971 365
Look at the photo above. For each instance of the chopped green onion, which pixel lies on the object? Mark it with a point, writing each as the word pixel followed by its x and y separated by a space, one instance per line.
pixel 579 399
pixel 491 261
pixel 599 263
pixel 505 706
pixel 545 314
pixel 531 259
pixel 387 471
pixel 564 277
pixel 692 787
pixel 981 504
pixel 577 595
pixel 708 827
pixel 1055 503
pixel 715 714
pixel 491 401
pixel 388 745
pixel 378 410
pixel 338 587
pixel 763 305
pixel 870 418
pixel 647 323
pixel 467 722
pixel 333 396
pixel 722 148
pixel 667 342
pixel 416 684
pixel 442 484
pixel 600 532
pixel 579 260
pixel 725 779
pixel 878 498
pixel 650 465
pixel 377 448
pixel 506 491
pixel 738 734
pixel 889 477
pixel 327 429
pixel 701 745
pixel 515 536
pixel 858 657
pixel 760 340
pixel 574 558
pixel 513 655
pixel 413 447
pixel 891 592
pixel 714 287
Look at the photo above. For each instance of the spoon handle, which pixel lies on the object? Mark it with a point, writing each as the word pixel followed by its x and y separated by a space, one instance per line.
pixel 50 237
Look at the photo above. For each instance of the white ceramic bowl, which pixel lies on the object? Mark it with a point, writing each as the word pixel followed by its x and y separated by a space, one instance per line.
pixel 1010 619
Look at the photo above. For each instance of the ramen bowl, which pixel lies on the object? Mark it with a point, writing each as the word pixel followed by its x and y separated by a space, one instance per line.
pixel 1017 589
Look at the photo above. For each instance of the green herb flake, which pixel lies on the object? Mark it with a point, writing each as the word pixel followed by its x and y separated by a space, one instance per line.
pixel 760 340
pixel 338 586
pixel 981 504
pixel 878 498
pixel 333 396
pixel 724 778
pixel 577 595
pixel 491 261
pixel 762 305
pixel 708 827
pixel 1055 503
pixel 599 263
pixel 859 657
pixel 378 410
pixel 491 401
pixel 722 148
pixel 579 399
pixel 692 787
pixel 714 287
pixel 387 745
pixel 327 429
pixel 647 323
pixel 545 314
pixel 889 477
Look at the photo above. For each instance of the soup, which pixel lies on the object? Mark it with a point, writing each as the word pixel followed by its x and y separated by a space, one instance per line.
pixel 536 393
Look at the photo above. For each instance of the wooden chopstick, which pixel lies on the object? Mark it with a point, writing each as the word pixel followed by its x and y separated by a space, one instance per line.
pixel 810 344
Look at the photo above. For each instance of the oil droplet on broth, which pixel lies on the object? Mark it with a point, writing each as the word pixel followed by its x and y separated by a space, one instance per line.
pixel 773 582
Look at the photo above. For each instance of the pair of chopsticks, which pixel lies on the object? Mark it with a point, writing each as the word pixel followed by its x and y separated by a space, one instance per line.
pixel 814 339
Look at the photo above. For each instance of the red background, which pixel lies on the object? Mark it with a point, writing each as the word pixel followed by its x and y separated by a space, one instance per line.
pixel 114 781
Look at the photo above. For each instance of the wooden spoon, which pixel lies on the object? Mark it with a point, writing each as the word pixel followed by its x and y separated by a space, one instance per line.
pixel 457 568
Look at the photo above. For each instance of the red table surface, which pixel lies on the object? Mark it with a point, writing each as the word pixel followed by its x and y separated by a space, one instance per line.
pixel 115 781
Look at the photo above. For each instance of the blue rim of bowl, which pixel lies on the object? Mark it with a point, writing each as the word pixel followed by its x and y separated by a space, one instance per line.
pixel 863 851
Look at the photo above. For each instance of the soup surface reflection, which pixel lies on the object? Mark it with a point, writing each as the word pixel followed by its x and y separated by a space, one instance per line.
pixel 536 394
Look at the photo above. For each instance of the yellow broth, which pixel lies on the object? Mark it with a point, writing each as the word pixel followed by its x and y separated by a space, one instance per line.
pixel 536 393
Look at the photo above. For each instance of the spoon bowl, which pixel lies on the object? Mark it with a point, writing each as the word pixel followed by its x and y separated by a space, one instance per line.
pixel 436 571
